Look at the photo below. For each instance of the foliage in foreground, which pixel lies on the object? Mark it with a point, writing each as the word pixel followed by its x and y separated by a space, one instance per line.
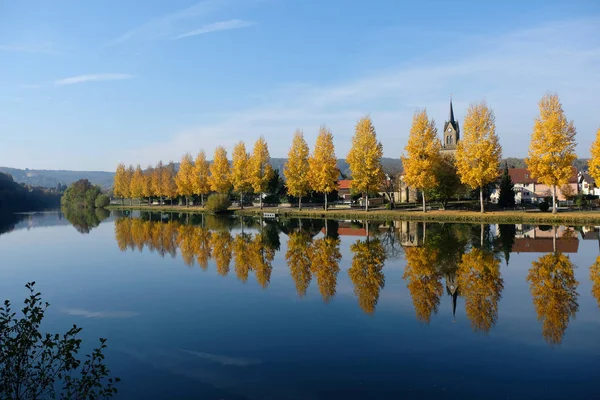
pixel 218 203
pixel 37 366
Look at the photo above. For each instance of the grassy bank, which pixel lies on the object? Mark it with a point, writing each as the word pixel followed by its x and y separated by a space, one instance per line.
pixel 565 217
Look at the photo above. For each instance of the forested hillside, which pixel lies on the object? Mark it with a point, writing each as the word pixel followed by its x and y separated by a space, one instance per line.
pixel 16 197
pixel 51 178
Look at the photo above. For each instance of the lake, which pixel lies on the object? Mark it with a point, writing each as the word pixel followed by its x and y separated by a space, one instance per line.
pixel 200 307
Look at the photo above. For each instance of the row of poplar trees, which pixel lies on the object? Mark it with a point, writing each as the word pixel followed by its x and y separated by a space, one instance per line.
pixel 304 172
pixel 478 154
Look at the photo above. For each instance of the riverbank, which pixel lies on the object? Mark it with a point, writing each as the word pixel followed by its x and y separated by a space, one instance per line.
pixel 512 217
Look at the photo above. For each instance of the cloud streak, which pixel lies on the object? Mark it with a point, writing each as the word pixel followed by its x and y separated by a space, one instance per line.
pixel 80 312
pixel 31 48
pixel 91 78
pixel 217 27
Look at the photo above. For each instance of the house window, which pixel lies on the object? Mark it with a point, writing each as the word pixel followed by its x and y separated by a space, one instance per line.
pixel 448 139
pixel 526 176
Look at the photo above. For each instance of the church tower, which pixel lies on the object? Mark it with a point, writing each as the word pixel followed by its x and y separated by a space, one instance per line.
pixel 450 134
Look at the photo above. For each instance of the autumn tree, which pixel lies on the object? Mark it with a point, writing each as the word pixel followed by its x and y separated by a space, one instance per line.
pixel 147 190
pixel 552 146
pixel 299 260
pixel 137 183
pixel 594 161
pixel 201 182
pixel 478 153
pixel 220 173
pixel 366 272
pixel 297 170
pixel 554 290
pixel 167 181
pixel 240 172
pixel 424 282
pixel 120 185
pixel 481 284
pixel 595 278
pixel 184 180
pixel 422 154
pixel 325 259
pixel 156 181
pixel 323 171
pixel 364 159
pixel 260 169
pixel 130 183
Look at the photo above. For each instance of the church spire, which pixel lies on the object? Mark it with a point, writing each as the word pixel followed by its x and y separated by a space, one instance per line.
pixel 451 112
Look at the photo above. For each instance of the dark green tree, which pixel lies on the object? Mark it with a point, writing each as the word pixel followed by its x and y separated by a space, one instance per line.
pixel 507 239
pixel 448 182
pixel 506 198
pixel 81 194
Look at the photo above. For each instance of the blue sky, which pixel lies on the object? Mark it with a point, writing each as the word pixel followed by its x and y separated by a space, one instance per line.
pixel 85 85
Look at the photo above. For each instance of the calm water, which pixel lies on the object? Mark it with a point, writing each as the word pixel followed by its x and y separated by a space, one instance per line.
pixel 227 308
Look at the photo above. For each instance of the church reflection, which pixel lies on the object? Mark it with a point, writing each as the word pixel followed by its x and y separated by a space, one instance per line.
pixel 460 261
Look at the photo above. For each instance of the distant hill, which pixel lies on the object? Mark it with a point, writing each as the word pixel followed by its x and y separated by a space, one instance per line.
pixel 51 178
pixel 16 197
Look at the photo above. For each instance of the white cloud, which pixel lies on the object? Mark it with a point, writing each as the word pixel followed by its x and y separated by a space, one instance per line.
pixel 218 26
pixel 91 78
pixel 511 72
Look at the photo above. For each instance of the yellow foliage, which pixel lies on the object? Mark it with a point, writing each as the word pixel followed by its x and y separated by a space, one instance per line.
pixel 296 168
pixel 262 257
pixel 323 171
pixel 594 162
pixel 184 179
pixel 202 247
pixel 156 179
pixel 186 239
pixel 260 169
pixel 299 260
pixel 241 256
pixel 120 185
pixel 221 243
pixel 364 158
pixel 240 173
pixel 554 289
pixel 552 146
pixel 147 186
pixel 478 153
pixel 595 278
pixel 167 181
pixel 220 175
pixel 422 153
pixel 201 181
pixel 366 272
pixel 123 232
pixel 479 281
pixel 136 188
pixel 325 259
pixel 424 281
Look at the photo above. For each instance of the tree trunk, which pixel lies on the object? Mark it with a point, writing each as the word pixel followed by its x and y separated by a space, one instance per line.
pixel 366 202
pixel 149 201
pixel 187 202
pixel 325 201
pixel 300 203
pixel 122 201
pixel 554 199
pixel 261 204
pixel 481 198
pixel 424 206
pixel 202 199
pixel 481 237
pixel 554 238
pixel 241 201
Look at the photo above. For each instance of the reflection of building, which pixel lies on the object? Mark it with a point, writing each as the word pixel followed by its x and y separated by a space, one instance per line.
pixel 452 289
pixel 410 233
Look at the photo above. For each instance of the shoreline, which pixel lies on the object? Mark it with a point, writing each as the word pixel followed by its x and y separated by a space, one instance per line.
pixel 509 217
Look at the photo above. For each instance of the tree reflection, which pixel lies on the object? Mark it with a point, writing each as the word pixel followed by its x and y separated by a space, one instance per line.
pixel 299 260
pixel 186 240
pixel 424 281
pixel 262 257
pixel 366 272
pixel 242 255
pixel 122 232
pixel 85 220
pixel 595 278
pixel 221 244
pixel 554 290
pixel 480 283
pixel 202 247
pixel 325 259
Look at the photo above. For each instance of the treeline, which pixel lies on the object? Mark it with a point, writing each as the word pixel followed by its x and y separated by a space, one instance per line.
pixel 476 163
pixel 83 195
pixel 17 197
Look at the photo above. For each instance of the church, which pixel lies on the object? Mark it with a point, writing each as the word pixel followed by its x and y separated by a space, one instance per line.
pixel 449 139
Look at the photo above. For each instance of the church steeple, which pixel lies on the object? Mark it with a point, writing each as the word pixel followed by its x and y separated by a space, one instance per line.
pixel 451 132
pixel 451 118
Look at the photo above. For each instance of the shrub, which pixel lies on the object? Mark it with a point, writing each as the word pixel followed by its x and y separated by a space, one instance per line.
pixel 102 201
pixel 544 206
pixel 43 366
pixel 218 203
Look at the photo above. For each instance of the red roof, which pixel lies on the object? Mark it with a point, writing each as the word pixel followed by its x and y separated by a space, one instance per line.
pixel 344 183
pixel 544 245
pixel 523 176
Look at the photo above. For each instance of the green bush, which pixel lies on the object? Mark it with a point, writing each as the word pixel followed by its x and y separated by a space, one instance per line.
pixel 102 201
pixel 544 206
pixel 218 203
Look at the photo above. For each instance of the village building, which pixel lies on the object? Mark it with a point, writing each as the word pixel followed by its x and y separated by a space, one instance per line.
pixel 587 184
pixel 529 191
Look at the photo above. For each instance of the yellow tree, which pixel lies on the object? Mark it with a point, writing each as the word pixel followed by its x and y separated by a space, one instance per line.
pixel 422 154
pixel 128 184
pixel 156 181
pixel 552 146
pixel 297 169
pixel 260 169
pixel 478 153
pixel 480 283
pixel 364 160
pixel 184 178
pixel 594 162
pixel 220 174
pixel 298 259
pixel 323 171
pixel 167 180
pixel 240 173
pixel 147 190
pixel 595 278
pixel 137 183
pixel 120 186
pixel 201 180
pixel 554 290
pixel 325 259
pixel 366 272
pixel 424 283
